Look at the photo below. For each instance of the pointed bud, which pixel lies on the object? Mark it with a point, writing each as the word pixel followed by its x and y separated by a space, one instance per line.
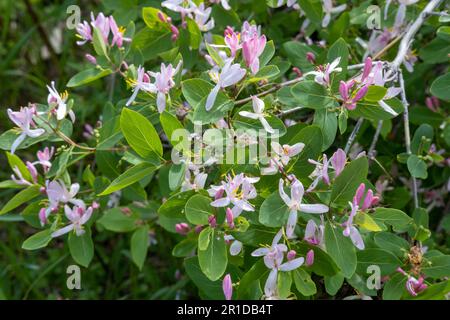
pixel 310 258
pixel 212 221
pixel 230 218
pixel 182 228
pixel 291 255
pixel 227 287
pixel 367 68
pixel 311 57
pixel 91 59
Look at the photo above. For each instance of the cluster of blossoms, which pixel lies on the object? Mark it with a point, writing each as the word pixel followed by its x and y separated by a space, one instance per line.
pixel 164 81
pixel 252 44
pixel 106 26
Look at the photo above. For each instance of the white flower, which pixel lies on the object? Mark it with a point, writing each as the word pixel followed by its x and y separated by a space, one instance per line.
pixel 24 120
pixel 235 247
pixel 273 259
pixel 322 76
pixel 258 114
pixel 295 204
pixel 238 191
pixel 78 216
pixel 59 100
pixel 142 82
pixel 197 184
pixel 328 10
pixel 350 230
pixel 230 75
pixel 201 16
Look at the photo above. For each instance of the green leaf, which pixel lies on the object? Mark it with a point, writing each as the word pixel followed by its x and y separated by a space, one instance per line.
pixel 440 87
pixel 312 95
pixel 87 76
pixel 375 93
pixel 267 54
pixel 139 246
pixel 194 90
pixel 379 257
pixel 339 49
pixel 373 111
pixel 438 267
pixel 334 283
pixel 213 261
pixel 185 248
pixel 424 131
pixel 417 167
pixel 393 289
pixel 296 53
pixel 304 283
pixel 341 249
pixel 15 162
pixel 266 72
pixel 130 176
pixel 7 138
pixel 311 137
pixel 38 240
pixel 117 221
pixel 59 165
pixel 81 247
pixel 393 217
pixel 170 124
pixel 151 19
pixel 99 43
pixel 312 9
pixel 212 289
pixel 20 198
pixel 171 212
pixel 140 133
pixel 392 243
pixel 198 209
pixel 176 175
pixel 348 181
pixel 365 221
pixel 323 264
pixel 273 212
pixel 204 238
pixel 327 122
pixel 195 35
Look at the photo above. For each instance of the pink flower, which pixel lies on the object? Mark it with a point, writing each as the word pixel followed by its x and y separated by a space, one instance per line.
pixel 142 82
pixel 322 74
pixel 319 173
pixel 84 33
pixel 310 258
pixel 18 178
pixel 230 75
pixel 91 59
pixel 78 216
pixel 232 40
pixel 227 287
pixel 286 152
pixel 42 217
pixel 182 228
pixel 350 230
pixel 369 200
pixel 117 32
pixel 291 255
pixel 44 157
pixel 163 83
pixel 224 3
pixel 238 191
pixel 413 286
pixel 295 204
pixel 230 218
pixel 58 100
pixel 57 192
pixel 338 160
pixel 23 119
pixel 212 220
pixel 102 24
pixel 235 247
pixel 315 234
pixel 201 17
pixel 328 9
pixel 432 103
pixel 252 48
pixel 273 259
pixel 348 101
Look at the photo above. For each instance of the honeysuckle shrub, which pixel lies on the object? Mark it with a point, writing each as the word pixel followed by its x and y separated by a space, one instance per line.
pixel 260 149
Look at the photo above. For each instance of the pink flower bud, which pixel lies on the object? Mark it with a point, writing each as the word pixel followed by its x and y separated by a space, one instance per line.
pixel 361 93
pixel 367 68
pixel 227 287
pixel 175 32
pixel 91 59
pixel 42 217
pixel 161 17
pixel 198 229
pixel 95 205
pixel 310 258
pixel 212 221
pixel 230 218
pixel 359 194
pixel 311 57
pixel 42 190
pixel 343 90
pixel 297 71
pixel 291 255
pixel 182 228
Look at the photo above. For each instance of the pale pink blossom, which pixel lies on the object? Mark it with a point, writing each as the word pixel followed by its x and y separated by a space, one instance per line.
pixel 78 216
pixel 84 33
pixel 232 40
pixel 23 119
pixel 58 100
pixel 258 114
pixel 164 82
pixel 310 258
pixel 350 230
pixel 273 259
pixel 235 247
pixel 202 17
pixel 44 157
pixel 142 82
pixel 252 49
pixel 102 24
pixel 323 73
pixel 118 33
pixel 182 228
pixel 228 76
pixel 314 234
pixel 227 287
pixel 328 9
pixel 294 203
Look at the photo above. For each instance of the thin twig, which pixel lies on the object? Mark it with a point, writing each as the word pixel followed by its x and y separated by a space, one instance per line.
pixel 371 152
pixel 412 30
pixel 407 132
pixel 353 135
